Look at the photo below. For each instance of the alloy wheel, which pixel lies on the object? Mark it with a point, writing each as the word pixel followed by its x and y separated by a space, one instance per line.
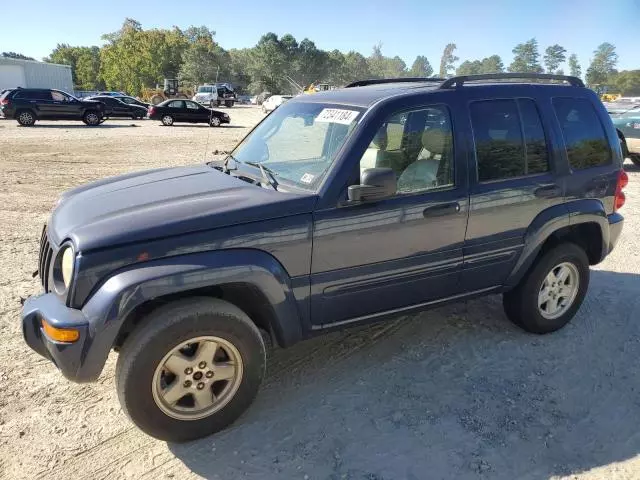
pixel 197 378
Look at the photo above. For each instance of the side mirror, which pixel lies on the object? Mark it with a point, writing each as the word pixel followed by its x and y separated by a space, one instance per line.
pixel 375 184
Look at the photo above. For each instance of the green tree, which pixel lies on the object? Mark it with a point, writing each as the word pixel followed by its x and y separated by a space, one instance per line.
pixel 574 66
pixel 356 67
pixel 448 59
pixel 627 82
pixel 134 58
pixel 385 67
pixel 267 64
pixel 525 57
pixel 469 67
pixel 492 64
pixel 18 56
pixel 554 56
pixel 603 64
pixel 421 67
pixel 84 63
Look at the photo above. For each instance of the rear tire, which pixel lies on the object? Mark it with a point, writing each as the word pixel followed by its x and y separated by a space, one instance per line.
pixel 228 103
pixel 91 118
pixel 143 392
pixel 522 304
pixel 26 118
pixel 167 120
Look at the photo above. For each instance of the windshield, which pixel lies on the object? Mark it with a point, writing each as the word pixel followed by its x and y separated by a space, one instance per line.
pixel 298 142
pixel 205 89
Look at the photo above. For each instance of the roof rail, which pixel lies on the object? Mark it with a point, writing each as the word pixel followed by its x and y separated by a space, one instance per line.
pixel 459 80
pixel 378 81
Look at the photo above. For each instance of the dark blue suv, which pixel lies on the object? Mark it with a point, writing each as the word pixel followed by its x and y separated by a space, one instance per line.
pixel 339 208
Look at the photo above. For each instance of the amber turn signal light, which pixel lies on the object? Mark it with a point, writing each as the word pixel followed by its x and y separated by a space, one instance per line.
pixel 60 334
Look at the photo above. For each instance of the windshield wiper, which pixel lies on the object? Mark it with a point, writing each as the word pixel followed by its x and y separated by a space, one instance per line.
pixel 267 174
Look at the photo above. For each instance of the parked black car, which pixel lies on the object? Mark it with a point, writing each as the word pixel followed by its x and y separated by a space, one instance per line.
pixel 340 208
pixel 114 107
pixel 171 111
pixel 132 101
pixel 30 104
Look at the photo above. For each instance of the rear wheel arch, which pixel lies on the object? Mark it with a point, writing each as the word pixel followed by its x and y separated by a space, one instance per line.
pixel 583 223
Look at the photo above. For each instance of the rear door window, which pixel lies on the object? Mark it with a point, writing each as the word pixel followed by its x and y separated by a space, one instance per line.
pixel 498 139
pixel 34 94
pixel 584 135
pixel 509 138
pixel 176 104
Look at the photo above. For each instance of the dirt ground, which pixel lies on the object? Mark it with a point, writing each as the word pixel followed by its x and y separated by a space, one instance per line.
pixel 456 392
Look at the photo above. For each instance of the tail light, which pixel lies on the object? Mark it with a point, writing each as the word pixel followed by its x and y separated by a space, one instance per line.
pixel 619 198
pixel 152 110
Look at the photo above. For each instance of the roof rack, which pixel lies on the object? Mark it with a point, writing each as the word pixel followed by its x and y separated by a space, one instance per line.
pixel 459 81
pixel 378 81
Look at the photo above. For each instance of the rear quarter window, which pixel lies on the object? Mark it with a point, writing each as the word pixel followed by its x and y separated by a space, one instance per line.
pixel 584 135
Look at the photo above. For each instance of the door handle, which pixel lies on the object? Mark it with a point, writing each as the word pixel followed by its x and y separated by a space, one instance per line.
pixel 548 191
pixel 440 210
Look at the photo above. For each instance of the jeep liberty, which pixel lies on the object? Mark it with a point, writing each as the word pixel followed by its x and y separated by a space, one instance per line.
pixel 344 207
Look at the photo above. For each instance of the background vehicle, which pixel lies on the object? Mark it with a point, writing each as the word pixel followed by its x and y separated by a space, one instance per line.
pixel 30 104
pixel 110 94
pixel 628 124
pixel 190 271
pixel 132 101
pixel 274 101
pixel 114 107
pixel 171 89
pixel 172 111
pixel 215 95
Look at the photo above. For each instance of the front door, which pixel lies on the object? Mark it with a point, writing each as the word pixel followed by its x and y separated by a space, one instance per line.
pixel 385 256
pixel 196 112
pixel 63 106
pixel 514 179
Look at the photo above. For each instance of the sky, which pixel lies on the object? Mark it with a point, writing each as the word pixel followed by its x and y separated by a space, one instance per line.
pixel 406 28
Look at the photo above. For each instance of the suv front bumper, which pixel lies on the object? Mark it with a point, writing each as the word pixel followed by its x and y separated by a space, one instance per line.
pixel 68 357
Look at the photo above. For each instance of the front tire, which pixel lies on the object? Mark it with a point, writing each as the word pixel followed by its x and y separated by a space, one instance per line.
pixel 190 369
pixel 551 293
pixel 26 118
pixel 167 120
pixel 91 118
pixel 215 122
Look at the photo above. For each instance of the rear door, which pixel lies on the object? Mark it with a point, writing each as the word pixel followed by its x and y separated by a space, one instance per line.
pixel 39 100
pixel 177 110
pixel 512 182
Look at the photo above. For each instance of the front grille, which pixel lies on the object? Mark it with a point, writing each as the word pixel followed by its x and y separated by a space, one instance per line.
pixel 44 260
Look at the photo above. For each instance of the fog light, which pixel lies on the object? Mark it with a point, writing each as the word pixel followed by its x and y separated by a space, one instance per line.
pixel 60 334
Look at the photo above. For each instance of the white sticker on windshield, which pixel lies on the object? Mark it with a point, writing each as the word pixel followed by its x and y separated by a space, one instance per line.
pixel 336 115
pixel 307 178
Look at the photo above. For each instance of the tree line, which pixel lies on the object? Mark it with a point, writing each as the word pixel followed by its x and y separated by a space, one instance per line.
pixel 133 59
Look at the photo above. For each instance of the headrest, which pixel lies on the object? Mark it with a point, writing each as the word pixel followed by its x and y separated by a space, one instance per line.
pixel 380 140
pixel 435 141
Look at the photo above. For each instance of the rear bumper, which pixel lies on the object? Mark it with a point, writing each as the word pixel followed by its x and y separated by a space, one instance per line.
pixel 68 357
pixel 616 222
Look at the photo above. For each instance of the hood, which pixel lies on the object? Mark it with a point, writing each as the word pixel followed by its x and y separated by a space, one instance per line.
pixel 165 202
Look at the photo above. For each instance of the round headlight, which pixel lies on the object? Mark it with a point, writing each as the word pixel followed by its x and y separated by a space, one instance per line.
pixel 67 266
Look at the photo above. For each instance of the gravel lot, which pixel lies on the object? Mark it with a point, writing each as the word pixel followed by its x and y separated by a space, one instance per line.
pixel 456 392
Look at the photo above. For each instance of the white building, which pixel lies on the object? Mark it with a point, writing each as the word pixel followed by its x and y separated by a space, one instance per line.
pixel 32 74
